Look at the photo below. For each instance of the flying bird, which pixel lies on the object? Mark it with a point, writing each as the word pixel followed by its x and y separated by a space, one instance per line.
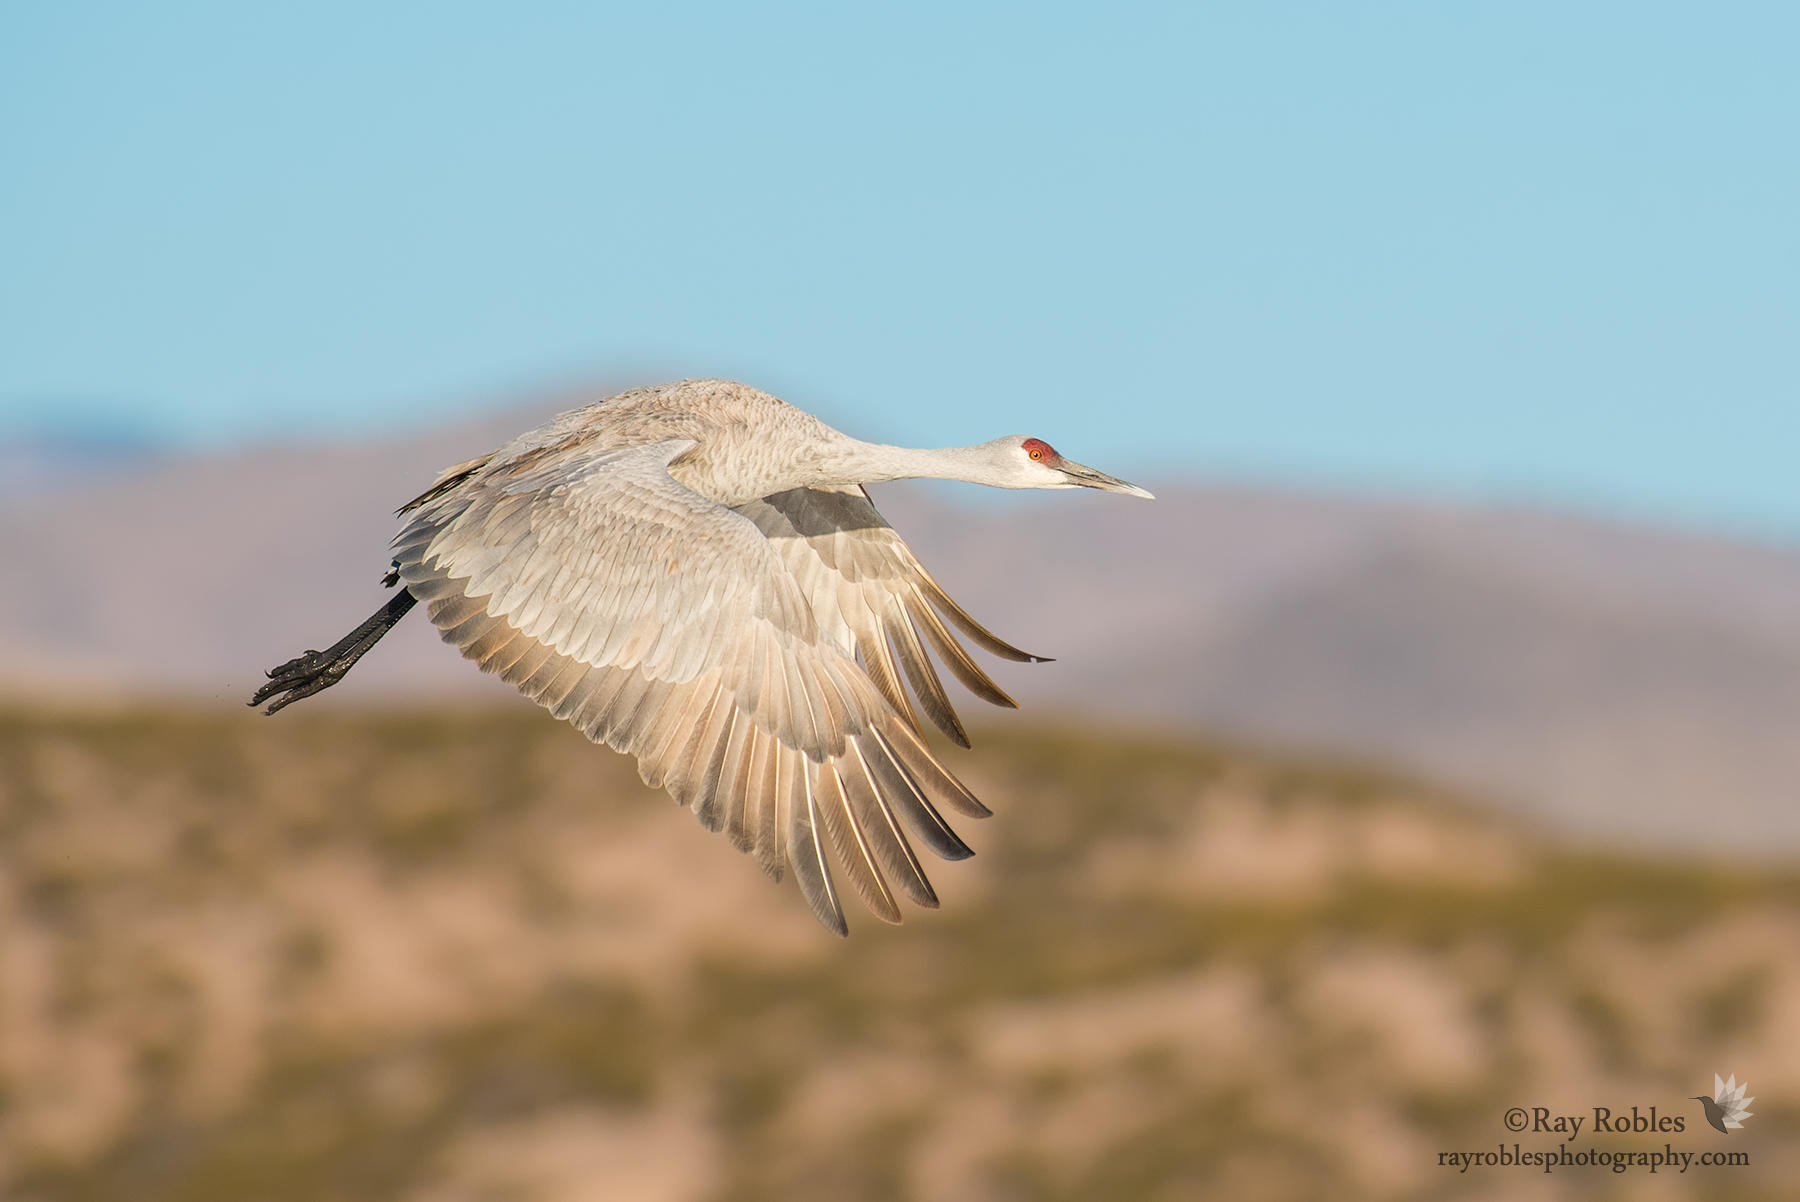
pixel 693 574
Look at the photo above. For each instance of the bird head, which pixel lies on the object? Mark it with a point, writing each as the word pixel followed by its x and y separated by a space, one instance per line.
pixel 1034 463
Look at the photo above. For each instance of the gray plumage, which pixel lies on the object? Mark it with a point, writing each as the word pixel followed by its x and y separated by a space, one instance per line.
pixel 694 575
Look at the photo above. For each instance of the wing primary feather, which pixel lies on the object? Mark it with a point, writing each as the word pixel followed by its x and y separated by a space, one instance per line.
pixel 674 732
pixel 905 796
pixel 765 804
pixel 603 719
pixel 803 720
pixel 806 854
pixel 759 787
pixel 735 769
pixel 831 708
pixel 955 658
pixel 696 751
pixel 984 638
pixel 713 798
pixel 632 726
pixel 925 684
pixel 579 695
pixel 713 744
pixel 852 849
pixel 624 705
pixel 750 749
pixel 554 680
pixel 790 797
pixel 587 717
pixel 881 831
pixel 933 778
pixel 878 663
pixel 775 706
pixel 662 734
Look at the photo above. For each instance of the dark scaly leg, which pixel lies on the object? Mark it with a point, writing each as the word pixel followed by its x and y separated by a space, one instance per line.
pixel 318 670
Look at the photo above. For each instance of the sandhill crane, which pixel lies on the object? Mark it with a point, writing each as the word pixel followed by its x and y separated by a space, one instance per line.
pixel 690 573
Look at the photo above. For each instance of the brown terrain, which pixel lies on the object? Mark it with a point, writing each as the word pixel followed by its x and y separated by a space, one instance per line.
pixel 445 956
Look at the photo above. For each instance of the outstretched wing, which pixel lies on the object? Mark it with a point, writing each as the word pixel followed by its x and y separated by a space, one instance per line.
pixel 870 594
pixel 667 626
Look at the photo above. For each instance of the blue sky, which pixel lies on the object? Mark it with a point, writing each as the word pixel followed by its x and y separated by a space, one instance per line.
pixel 1544 254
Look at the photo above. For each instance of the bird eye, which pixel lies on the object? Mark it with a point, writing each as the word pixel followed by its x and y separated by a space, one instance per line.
pixel 1037 454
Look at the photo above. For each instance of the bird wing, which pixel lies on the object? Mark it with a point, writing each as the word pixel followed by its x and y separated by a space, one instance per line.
pixel 667 626
pixel 870 594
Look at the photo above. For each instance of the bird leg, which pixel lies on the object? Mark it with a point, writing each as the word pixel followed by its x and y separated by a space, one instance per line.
pixel 318 670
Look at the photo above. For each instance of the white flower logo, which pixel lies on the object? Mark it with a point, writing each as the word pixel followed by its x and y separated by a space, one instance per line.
pixel 1725 1108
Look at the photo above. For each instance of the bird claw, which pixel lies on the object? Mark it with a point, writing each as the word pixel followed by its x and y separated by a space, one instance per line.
pixel 314 671
pixel 299 677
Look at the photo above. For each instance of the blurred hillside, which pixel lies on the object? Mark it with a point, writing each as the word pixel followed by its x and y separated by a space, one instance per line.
pixel 1629 685
pixel 446 957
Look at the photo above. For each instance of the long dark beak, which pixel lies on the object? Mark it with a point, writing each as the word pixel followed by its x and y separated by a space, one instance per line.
pixel 1087 477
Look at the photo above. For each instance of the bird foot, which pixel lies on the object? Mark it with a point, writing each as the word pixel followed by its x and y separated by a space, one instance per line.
pixel 316 671
pixel 302 676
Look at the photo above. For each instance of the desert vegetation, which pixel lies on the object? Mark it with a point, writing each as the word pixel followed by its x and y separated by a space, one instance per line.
pixel 460 956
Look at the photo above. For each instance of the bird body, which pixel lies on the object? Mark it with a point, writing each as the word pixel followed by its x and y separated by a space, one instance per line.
pixel 693 574
pixel 748 444
pixel 1715 1113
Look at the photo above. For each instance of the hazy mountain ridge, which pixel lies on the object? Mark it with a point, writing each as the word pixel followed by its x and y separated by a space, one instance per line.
pixel 1625 682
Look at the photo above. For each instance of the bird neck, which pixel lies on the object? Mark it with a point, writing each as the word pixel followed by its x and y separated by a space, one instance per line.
pixel 855 462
